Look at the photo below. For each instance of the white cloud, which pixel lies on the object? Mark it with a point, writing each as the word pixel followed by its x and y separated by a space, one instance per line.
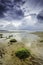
pixel 17 24
pixel 13 24
pixel 4 23
pixel 29 20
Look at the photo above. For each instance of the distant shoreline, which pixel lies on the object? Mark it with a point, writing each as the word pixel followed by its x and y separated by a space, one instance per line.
pixel 17 31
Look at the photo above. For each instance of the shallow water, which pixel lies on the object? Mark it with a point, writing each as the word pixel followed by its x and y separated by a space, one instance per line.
pixel 30 40
pixel 22 36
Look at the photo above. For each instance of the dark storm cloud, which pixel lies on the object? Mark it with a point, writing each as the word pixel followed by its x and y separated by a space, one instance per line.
pixel 15 7
pixel 19 1
pixel 2 9
pixel 40 17
pixel 21 14
pixel 11 6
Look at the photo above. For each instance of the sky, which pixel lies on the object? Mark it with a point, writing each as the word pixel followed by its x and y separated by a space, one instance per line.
pixel 21 15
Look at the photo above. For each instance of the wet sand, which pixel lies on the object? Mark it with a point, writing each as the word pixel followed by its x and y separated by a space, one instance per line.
pixel 30 40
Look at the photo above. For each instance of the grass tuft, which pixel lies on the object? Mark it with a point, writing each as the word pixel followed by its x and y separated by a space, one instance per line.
pixel 22 53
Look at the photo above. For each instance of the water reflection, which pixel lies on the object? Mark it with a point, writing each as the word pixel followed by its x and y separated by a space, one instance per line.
pixel 30 40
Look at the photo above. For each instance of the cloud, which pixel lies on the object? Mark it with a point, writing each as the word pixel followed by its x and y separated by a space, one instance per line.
pixel 2 9
pixel 36 2
pixel 28 23
pixel 30 20
pixel 40 17
pixel 17 24
pixel 14 14
pixel 21 14
pixel 4 23
pixel 19 1
pixel 10 25
pixel 11 9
